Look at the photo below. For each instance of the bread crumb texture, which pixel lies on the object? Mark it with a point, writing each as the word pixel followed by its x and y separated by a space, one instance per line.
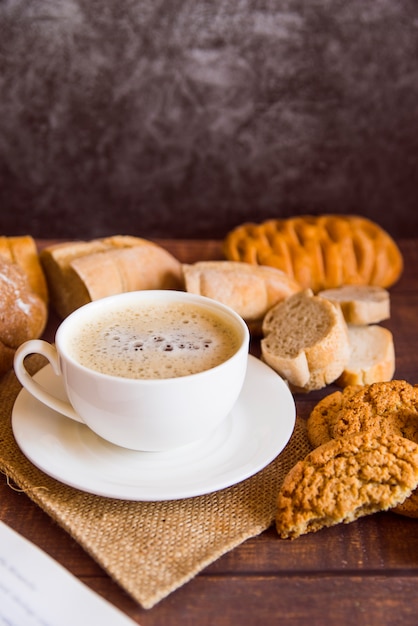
pixel 306 341
pixel 306 322
pixel 345 479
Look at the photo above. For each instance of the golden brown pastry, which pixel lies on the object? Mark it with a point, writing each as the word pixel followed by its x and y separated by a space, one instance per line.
pixel 320 252
pixel 380 408
pixel 345 479
pixel 388 407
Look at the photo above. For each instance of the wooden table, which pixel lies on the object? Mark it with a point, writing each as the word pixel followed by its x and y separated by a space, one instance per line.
pixel 361 573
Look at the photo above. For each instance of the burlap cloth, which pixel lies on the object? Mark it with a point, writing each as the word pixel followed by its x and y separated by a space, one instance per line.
pixel 149 548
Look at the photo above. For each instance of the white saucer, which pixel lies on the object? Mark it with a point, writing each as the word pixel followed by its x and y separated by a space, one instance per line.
pixel 256 431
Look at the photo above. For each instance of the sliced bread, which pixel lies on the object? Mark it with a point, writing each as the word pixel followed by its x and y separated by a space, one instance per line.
pixel 360 304
pixel 82 271
pixel 251 290
pixel 372 356
pixel 306 341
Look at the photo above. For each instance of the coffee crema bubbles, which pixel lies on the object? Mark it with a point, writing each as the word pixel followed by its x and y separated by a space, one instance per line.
pixel 155 341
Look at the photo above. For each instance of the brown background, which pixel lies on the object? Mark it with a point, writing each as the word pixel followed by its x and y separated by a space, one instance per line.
pixel 184 119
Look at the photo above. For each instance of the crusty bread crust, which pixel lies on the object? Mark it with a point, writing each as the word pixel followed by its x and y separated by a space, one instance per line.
pixel 22 250
pixel 360 304
pixel 372 356
pixel 251 290
pixel 82 271
pixel 320 252
pixel 23 314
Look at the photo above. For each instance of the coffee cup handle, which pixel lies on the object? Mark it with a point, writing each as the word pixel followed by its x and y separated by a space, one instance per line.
pixel 38 346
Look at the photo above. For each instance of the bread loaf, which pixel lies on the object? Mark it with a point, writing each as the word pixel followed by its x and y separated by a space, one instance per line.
pixel 305 341
pixel 22 250
pixel 23 314
pixel 360 304
pixel 320 252
pixel 82 271
pixel 251 290
pixel 372 356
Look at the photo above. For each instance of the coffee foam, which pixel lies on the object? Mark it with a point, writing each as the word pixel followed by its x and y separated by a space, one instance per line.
pixel 155 341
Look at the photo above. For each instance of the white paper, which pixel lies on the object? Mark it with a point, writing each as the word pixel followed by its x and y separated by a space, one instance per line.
pixel 35 590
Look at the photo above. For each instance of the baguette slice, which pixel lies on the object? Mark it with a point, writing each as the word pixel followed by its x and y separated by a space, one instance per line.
pixel 372 356
pixel 306 341
pixel 360 304
pixel 22 250
pixel 251 290
pixel 82 271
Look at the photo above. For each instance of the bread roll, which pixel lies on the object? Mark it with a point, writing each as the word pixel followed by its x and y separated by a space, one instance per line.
pixel 79 272
pixel 22 250
pixel 251 290
pixel 23 314
pixel 372 356
pixel 306 341
pixel 320 252
pixel 360 304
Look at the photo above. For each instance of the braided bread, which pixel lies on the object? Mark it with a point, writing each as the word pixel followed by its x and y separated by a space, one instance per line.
pixel 320 252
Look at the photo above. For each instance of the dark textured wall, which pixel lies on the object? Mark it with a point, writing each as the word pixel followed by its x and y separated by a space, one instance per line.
pixel 186 118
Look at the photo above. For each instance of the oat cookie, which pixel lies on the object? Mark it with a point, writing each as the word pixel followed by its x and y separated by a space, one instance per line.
pixel 382 408
pixel 345 479
pixel 325 413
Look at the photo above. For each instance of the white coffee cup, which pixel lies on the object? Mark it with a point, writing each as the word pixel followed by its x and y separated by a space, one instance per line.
pixel 149 414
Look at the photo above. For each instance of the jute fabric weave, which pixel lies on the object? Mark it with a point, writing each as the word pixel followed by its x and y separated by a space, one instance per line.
pixel 149 548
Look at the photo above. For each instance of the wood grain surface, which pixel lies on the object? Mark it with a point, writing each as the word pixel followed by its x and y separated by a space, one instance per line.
pixel 365 572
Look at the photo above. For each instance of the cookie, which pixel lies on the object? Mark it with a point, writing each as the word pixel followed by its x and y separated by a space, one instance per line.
pixel 382 408
pixel 345 479
pixel 325 413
